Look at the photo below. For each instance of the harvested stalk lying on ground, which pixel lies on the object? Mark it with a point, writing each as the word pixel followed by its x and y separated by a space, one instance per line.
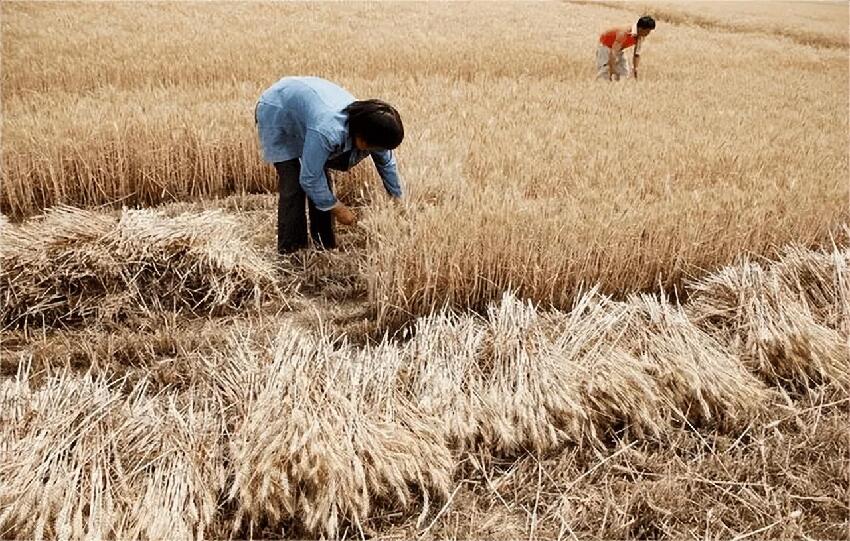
pixel 303 434
pixel 789 321
pixel 72 265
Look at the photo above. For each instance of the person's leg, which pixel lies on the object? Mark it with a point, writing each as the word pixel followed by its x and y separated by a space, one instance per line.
pixel 602 63
pixel 322 223
pixel 622 67
pixel 291 217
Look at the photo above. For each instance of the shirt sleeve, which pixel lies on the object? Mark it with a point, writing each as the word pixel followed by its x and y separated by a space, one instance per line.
pixel 386 165
pixel 313 179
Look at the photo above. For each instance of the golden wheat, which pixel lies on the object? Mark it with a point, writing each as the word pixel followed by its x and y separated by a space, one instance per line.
pixel 522 172
pixel 301 431
pixel 72 266
pixel 571 402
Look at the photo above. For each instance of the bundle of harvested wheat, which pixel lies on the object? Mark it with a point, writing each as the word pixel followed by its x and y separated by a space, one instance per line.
pixel 821 280
pixel 519 379
pixel 495 382
pixel 81 458
pixel 615 388
pixel 71 265
pixel 442 374
pixel 788 320
pixel 698 378
pixel 320 434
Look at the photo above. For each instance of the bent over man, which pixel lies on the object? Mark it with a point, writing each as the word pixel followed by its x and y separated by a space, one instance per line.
pixel 308 125
pixel 610 63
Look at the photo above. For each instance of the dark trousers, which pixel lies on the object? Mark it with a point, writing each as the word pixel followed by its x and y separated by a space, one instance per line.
pixel 291 218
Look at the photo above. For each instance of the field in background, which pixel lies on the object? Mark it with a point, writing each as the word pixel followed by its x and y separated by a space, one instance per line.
pixel 522 171
pixel 818 23
pixel 162 373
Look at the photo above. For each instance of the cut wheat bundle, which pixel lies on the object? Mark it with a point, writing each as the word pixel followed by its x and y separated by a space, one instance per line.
pixel 788 320
pixel 72 265
pixel 84 458
pixel 320 434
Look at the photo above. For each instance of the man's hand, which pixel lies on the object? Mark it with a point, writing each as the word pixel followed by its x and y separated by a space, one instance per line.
pixel 343 214
pixel 634 73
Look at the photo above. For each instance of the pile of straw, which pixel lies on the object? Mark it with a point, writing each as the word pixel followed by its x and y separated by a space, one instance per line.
pixel 71 266
pixel 789 321
pixel 83 458
pixel 302 434
pixel 321 434
pixel 520 379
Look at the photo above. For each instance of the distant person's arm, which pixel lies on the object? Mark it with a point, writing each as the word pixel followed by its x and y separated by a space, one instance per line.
pixel 615 49
pixel 636 58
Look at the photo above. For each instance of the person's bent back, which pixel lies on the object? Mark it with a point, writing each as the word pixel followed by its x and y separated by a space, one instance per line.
pixel 610 61
pixel 308 126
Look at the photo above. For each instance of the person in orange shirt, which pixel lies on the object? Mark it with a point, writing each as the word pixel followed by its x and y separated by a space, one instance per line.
pixel 610 64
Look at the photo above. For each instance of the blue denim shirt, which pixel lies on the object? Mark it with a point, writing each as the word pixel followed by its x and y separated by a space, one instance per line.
pixel 302 117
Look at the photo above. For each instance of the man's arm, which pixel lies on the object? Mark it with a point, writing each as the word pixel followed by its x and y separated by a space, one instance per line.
pixel 386 165
pixel 314 181
pixel 312 178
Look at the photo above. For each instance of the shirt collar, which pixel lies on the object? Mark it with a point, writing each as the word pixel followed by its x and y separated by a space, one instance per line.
pixel 634 30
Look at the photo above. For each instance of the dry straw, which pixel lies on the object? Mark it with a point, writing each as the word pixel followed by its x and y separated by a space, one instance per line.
pixel 787 320
pixel 305 435
pixel 321 435
pixel 82 458
pixel 74 265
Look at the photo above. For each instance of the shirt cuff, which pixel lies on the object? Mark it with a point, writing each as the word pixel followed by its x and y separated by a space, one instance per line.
pixel 326 207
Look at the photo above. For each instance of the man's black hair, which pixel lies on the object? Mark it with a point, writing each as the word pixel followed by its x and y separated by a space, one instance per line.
pixel 377 122
pixel 646 22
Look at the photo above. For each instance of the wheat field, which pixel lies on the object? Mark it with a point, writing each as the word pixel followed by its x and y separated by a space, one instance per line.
pixel 611 311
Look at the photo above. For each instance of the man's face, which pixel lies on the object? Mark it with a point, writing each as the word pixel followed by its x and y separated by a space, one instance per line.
pixel 643 32
pixel 361 144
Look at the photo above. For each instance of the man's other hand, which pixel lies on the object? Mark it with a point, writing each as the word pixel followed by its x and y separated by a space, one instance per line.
pixel 343 214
